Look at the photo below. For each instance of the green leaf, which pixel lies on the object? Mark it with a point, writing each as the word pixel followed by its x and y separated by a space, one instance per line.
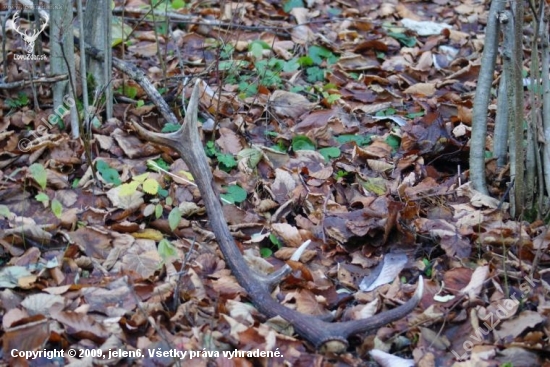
pixel 57 208
pixel 109 174
pixel 302 142
pixel 39 174
pixel 174 218
pixel 333 98
pixel 235 194
pixel 129 91
pixel 318 53
pixel 166 250
pixel 42 197
pixel 152 165
pixel 305 61
pixel 291 4
pixel 376 185
pixel 315 74
pixel 5 211
pixel 403 39
pixel 170 128
pixel 256 48
pixel 265 252
pixel 210 149
pixel 330 152
pixel 151 186
pixel 178 4
pixel 358 139
pixel 415 114
pixel 387 112
pixel 291 65
pixel 158 211
pixel 128 188
pixel 393 141
pixel 274 240
pixel 141 178
pixel 253 155
pixel 226 161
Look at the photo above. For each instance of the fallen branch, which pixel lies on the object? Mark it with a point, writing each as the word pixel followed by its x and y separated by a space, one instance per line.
pixel 325 336
pixel 23 83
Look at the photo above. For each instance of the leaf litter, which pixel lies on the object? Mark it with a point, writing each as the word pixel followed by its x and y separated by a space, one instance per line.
pixel 347 131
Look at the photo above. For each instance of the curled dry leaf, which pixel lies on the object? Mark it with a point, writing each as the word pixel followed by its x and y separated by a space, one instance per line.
pixel 476 283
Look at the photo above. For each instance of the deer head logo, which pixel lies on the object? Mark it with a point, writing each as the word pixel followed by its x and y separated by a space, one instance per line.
pixel 29 36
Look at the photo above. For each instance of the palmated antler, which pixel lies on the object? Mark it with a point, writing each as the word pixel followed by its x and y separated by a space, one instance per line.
pixel 326 336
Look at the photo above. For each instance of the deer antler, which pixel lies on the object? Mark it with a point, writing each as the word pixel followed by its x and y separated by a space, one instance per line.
pixel 326 336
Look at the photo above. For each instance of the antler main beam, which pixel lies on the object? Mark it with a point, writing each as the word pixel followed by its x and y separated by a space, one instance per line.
pixel 325 336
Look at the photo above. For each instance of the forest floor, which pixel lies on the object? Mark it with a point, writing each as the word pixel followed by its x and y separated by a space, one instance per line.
pixel 345 123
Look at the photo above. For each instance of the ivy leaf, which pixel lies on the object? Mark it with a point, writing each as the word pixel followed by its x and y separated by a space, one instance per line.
pixel 57 208
pixel 174 218
pixel 151 186
pixel 330 152
pixel 302 142
pixel 39 174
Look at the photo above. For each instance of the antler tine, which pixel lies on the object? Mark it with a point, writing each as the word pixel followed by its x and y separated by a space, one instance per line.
pixel 326 336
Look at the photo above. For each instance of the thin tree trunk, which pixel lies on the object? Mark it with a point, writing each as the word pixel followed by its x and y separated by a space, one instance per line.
pixel 500 136
pixel 481 100
pixel 97 33
pixel 62 59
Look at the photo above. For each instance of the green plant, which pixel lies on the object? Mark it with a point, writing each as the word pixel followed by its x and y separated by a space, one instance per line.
pixel 358 139
pixel 291 4
pixel 166 250
pixel 20 101
pixel 427 267
pixel 234 195
pixel 109 174
pixel 226 161
pixel 302 142
pixel 267 251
